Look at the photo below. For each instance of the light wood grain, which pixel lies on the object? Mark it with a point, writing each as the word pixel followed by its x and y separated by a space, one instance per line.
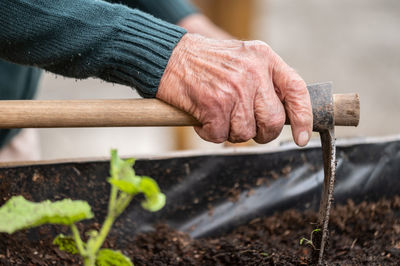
pixel 125 113
pixel 346 109
pixel 91 113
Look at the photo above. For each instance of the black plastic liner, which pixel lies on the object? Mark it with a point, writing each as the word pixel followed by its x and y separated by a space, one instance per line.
pixel 212 194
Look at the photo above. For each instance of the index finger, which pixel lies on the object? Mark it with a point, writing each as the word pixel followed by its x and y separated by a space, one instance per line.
pixel 292 91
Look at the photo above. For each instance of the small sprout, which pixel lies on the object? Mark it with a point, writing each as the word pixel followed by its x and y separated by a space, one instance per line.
pixel 309 242
pixel 18 213
pixel 264 254
pixel 66 243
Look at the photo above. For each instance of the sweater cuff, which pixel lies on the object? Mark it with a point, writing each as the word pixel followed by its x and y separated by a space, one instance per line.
pixel 140 51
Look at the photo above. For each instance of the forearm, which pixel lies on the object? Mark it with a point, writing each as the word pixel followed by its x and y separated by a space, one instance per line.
pixel 179 12
pixel 87 38
pixel 171 11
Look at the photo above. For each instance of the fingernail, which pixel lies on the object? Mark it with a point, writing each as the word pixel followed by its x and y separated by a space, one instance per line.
pixel 303 138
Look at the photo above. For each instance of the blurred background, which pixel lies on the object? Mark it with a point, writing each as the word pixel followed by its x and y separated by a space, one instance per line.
pixel 353 43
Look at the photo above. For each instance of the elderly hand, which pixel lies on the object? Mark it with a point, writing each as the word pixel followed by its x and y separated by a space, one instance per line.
pixel 237 90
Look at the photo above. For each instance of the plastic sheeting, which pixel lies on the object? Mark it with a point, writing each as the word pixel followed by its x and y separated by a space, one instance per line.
pixel 211 194
pixel 217 193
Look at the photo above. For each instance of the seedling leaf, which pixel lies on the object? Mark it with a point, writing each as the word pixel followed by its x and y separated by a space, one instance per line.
pixel 130 187
pixel 108 257
pixel 19 213
pixel 155 200
pixel 66 243
pixel 310 242
pixel 302 240
pixel 121 168
pixel 123 175
pixel 154 203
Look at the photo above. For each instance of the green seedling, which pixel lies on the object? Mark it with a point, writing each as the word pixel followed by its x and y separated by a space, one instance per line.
pixel 18 213
pixel 309 242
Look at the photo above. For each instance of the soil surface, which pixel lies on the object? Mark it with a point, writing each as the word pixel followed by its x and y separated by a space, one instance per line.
pixel 360 234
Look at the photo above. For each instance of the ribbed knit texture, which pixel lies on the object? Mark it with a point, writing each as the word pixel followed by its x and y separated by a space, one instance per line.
pixel 88 38
pixel 20 82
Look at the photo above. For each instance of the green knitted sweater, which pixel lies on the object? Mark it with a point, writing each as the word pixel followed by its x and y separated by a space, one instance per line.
pixel 116 42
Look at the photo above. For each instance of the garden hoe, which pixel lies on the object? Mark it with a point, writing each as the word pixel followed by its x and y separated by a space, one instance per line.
pixel 329 110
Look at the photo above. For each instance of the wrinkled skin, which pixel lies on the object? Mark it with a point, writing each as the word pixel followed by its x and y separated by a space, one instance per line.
pixel 238 90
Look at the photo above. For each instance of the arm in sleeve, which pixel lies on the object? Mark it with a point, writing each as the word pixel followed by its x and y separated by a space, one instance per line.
pixel 171 11
pixel 88 38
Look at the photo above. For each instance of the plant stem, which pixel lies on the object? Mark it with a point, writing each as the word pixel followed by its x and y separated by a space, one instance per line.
pixel 89 258
pixel 105 229
pixel 122 202
pixel 89 261
pixel 118 207
pixel 107 223
pixel 78 240
pixel 113 198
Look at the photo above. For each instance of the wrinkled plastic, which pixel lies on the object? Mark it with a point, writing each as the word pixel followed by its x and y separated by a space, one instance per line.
pixel 220 192
pixel 211 194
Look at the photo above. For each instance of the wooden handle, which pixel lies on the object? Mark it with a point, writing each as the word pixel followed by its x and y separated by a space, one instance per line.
pixel 124 113
pixel 91 113
pixel 346 109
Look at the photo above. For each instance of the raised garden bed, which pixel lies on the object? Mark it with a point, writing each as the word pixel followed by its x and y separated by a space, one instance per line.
pixel 220 208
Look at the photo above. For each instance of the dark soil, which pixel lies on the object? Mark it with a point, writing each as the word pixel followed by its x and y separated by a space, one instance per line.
pixel 363 234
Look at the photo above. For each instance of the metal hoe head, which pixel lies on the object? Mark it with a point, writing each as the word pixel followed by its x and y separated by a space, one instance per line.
pixel 322 101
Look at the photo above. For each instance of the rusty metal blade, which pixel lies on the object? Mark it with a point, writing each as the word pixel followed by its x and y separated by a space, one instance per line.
pixel 329 158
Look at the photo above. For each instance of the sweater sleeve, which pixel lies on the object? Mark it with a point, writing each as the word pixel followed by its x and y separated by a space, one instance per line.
pixel 88 38
pixel 169 10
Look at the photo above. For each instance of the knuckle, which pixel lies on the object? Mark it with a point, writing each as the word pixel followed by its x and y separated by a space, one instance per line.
pixel 247 135
pixel 274 132
pixel 302 119
pixel 218 132
pixel 237 80
pixel 214 130
pixel 255 74
pixel 242 132
pixel 276 125
pixel 278 121
pixel 216 136
pixel 258 46
pixel 298 83
pixel 219 140
pixel 269 129
pixel 295 83
pixel 261 139
pixel 242 137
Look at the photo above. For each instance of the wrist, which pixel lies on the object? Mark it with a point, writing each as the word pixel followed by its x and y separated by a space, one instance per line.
pixel 172 75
